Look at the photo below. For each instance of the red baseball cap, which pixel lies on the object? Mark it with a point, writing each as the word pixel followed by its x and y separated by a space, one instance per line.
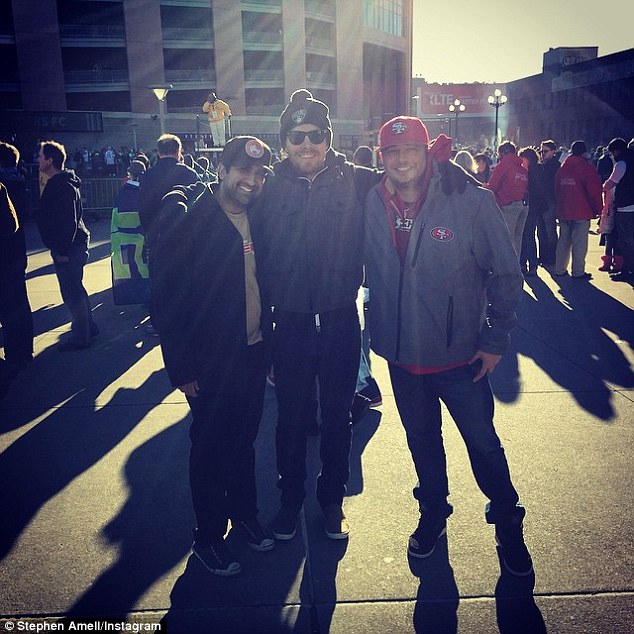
pixel 403 131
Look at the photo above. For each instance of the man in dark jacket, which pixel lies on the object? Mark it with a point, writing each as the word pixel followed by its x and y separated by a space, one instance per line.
pixel 62 228
pixel 547 222
pixel 215 324
pixel 160 179
pixel 310 217
pixel 15 310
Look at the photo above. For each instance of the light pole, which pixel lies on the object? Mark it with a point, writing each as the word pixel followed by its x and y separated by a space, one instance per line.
pixel 134 127
pixel 497 100
pixel 456 107
pixel 415 100
pixel 160 92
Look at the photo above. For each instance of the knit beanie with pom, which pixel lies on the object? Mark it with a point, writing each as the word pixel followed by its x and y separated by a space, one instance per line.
pixel 304 108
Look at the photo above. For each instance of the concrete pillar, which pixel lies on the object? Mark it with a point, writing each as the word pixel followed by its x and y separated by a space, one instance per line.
pixel 39 52
pixel 349 60
pixel 294 31
pixel 144 43
pixel 227 23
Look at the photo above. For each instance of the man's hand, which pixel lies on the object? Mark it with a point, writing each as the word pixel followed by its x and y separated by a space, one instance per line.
pixel 61 259
pixel 489 361
pixel 190 389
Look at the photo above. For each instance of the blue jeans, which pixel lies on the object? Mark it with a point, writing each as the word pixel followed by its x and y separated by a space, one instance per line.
pixel 470 404
pixel 70 277
pixel 301 354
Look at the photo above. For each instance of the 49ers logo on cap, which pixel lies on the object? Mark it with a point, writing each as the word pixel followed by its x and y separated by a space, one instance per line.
pixel 442 234
pixel 398 127
pixel 254 149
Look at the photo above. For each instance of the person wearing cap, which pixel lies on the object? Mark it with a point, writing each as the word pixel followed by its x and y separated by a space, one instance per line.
pixel 311 219
pixel 217 110
pixel 445 282
pixel 579 199
pixel 215 329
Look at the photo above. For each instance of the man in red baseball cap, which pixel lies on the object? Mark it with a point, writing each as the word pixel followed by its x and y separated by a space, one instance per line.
pixel 444 281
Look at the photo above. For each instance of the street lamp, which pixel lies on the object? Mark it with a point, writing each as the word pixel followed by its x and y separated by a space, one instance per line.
pixel 160 92
pixel 456 107
pixel 497 100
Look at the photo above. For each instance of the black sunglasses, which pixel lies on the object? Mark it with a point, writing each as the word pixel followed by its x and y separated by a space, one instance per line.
pixel 296 137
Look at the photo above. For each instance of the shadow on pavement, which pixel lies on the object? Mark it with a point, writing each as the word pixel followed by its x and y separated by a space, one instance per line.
pixel 437 600
pixel 516 610
pixel 66 443
pixel 152 532
pixel 567 338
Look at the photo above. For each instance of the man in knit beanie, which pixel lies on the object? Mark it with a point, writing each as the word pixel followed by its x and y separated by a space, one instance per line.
pixel 310 222
pixel 444 281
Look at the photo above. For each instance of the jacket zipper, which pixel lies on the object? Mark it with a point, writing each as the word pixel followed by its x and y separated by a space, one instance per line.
pixel 449 321
pixel 398 315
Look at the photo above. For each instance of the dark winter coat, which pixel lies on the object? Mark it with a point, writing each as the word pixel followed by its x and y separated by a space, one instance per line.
pixel 60 213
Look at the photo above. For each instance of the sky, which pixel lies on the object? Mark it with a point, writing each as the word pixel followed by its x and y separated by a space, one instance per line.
pixel 457 41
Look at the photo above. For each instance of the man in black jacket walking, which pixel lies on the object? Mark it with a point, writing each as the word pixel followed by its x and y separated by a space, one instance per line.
pixel 62 228
pixel 215 327
pixel 168 172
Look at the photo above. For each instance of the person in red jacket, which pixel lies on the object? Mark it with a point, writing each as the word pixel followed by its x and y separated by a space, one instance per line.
pixel 578 200
pixel 509 183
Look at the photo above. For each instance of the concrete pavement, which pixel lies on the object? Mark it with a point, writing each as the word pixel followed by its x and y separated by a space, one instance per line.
pixel 96 516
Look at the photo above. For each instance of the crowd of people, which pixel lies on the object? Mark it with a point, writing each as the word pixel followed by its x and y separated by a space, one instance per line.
pixel 262 268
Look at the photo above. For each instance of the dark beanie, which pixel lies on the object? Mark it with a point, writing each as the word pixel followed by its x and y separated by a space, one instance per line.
pixel 304 108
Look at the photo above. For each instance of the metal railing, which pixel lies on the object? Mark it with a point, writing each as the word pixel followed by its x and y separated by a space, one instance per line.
pixel 192 74
pixel 92 31
pixel 192 35
pixel 95 76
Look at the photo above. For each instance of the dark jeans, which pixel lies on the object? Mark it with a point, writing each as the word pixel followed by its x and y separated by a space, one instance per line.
pixel 302 353
pixel 471 406
pixel 222 456
pixel 528 253
pixel 15 316
pixel 70 277
pixel 547 235
pixel 624 221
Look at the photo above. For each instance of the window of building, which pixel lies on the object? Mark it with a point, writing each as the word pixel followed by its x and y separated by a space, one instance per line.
pixel 384 15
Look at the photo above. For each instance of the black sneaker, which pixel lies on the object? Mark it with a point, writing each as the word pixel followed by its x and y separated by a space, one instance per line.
pixel 217 559
pixel 284 525
pixel 423 540
pixel 514 554
pixel 372 391
pixel 336 523
pixel 255 536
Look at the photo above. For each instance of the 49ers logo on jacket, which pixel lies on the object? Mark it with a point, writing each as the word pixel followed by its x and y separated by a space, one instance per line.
pixel 442 234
